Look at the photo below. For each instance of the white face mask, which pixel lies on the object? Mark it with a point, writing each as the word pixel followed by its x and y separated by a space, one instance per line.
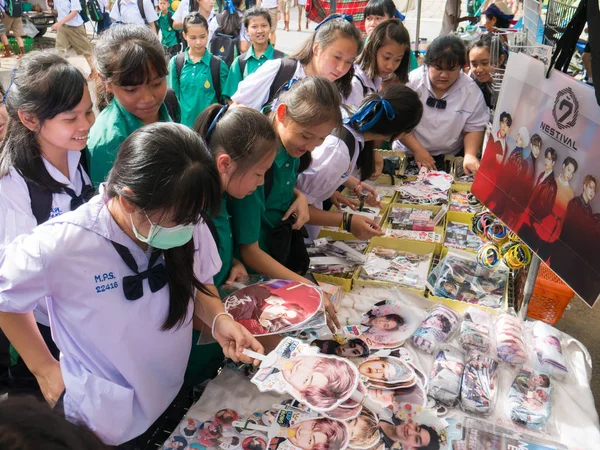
pixel 162 237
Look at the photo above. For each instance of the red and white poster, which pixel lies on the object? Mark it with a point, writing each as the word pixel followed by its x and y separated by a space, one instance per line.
pixel 540 170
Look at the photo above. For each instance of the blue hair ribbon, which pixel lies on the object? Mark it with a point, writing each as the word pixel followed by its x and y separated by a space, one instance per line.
pixel 399 15
pixel 379 107
pixel 214 122
pixel 230 7
pixel 347 17
pixel 12 79
pixel 287 86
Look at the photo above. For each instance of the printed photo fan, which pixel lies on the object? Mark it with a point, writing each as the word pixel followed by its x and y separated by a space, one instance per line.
pixel 274 307
pixel 389 324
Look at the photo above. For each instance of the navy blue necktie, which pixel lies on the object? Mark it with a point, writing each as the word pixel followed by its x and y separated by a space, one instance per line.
pixel 435 103
pixel 87 192
pixel 133 285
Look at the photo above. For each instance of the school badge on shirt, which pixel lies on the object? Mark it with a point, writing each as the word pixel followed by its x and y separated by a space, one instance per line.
pixel 207 84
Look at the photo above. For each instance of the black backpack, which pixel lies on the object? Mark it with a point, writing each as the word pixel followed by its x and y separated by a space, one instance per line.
pixel 94 13
pixel 14 8
pixel 225 46
pixel 242 60
pixel 84 12
pixel 215 72
pixel 41 199
pixel 284 74
pixel 140 4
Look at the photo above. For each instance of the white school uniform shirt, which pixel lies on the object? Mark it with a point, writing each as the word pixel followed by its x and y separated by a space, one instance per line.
pixel 253 91
pixel 213 25
pixel 330 168
pixel 130 13
pixel 120 369
pixel 184 9
pixel 441 130
pixel 16 215
pixel 103 4
pixel 64 7
pixel 357 94
pixel 269 4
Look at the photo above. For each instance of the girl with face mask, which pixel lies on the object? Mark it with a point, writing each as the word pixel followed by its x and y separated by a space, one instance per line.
pixel 123 276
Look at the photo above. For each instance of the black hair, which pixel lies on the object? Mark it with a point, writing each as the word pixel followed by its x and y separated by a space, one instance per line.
pixel 507 116
pixel 434 443
pixel 536 139
pixel 168 168
pixel 408 110
pixel 311 101
pixel 568 160
pixel 446 325
pixel 390 30
pixel 362 344
pixel 125 55
pixel 488 41
pixel 256 11
pixel 446 52
pixel 500 22
pixel 231 24
pixel 243 133
pixel 552 153
pixel 327 34
pixel 29 424
pixel 235 440
pixel 44 85
pixel 194 18
pixel 380 8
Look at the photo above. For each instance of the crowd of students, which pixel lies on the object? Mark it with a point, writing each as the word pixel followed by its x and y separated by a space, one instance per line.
pixel 116 269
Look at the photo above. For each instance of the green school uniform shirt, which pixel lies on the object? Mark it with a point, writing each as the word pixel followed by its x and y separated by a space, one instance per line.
pixel 168 35
pixel 252 218
pixel 223 226
pixel 194 89
pixel 252 65
pixel 113 125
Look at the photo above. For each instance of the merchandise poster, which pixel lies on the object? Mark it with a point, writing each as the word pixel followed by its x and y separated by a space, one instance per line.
pixel 389 324
pixel 541 168
pixel 273 307
pixel 322 382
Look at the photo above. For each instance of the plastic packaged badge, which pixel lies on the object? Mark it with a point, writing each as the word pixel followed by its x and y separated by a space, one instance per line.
pixel 435 329
pixel 476 330
pixel 548 349
pixel 479 384
pixel 509 338
pixel 529 399
pixel 274 307
pixel 446 376
pixel 459 277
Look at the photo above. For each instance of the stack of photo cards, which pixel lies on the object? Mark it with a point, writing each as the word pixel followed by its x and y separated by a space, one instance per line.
pixel 459 277
pixel 335 257
pixel 274 307
pixel 465 202
pixel 403 268
pixel 414 224
pixel 430 187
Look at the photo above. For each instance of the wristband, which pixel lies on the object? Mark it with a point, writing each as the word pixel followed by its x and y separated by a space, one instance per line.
pixel 215 321
pixel 350 222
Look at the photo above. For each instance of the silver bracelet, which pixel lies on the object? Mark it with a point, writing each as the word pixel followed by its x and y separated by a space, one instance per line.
pixel 215 321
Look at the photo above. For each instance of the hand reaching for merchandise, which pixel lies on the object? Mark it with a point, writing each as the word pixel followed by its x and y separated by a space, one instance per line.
pixel 238 272
pixel 371 199
pixel 337 199
pixel 470 164
pixel 331 314
pixel 234 338
pixel 364 228
pixel 424 159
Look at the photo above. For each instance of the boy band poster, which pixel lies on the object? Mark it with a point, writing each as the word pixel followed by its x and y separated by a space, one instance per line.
pixel 540 170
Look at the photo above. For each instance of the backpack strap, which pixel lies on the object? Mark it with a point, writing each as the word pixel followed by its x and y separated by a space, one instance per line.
pixel 179 61
pixel 242 63
pixel 41 202
pixel 284 74
pixel 278 54
pixel 215 73
pixel 269 177
pixel 172 104
pixel 140 4
pixel 213 229
pixel 365 89
pixel 349 140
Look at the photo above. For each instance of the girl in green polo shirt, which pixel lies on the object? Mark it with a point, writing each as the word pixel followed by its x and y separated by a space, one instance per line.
pixel 191 73
pixel 130 91
pixel 305 115
pixel 258 26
